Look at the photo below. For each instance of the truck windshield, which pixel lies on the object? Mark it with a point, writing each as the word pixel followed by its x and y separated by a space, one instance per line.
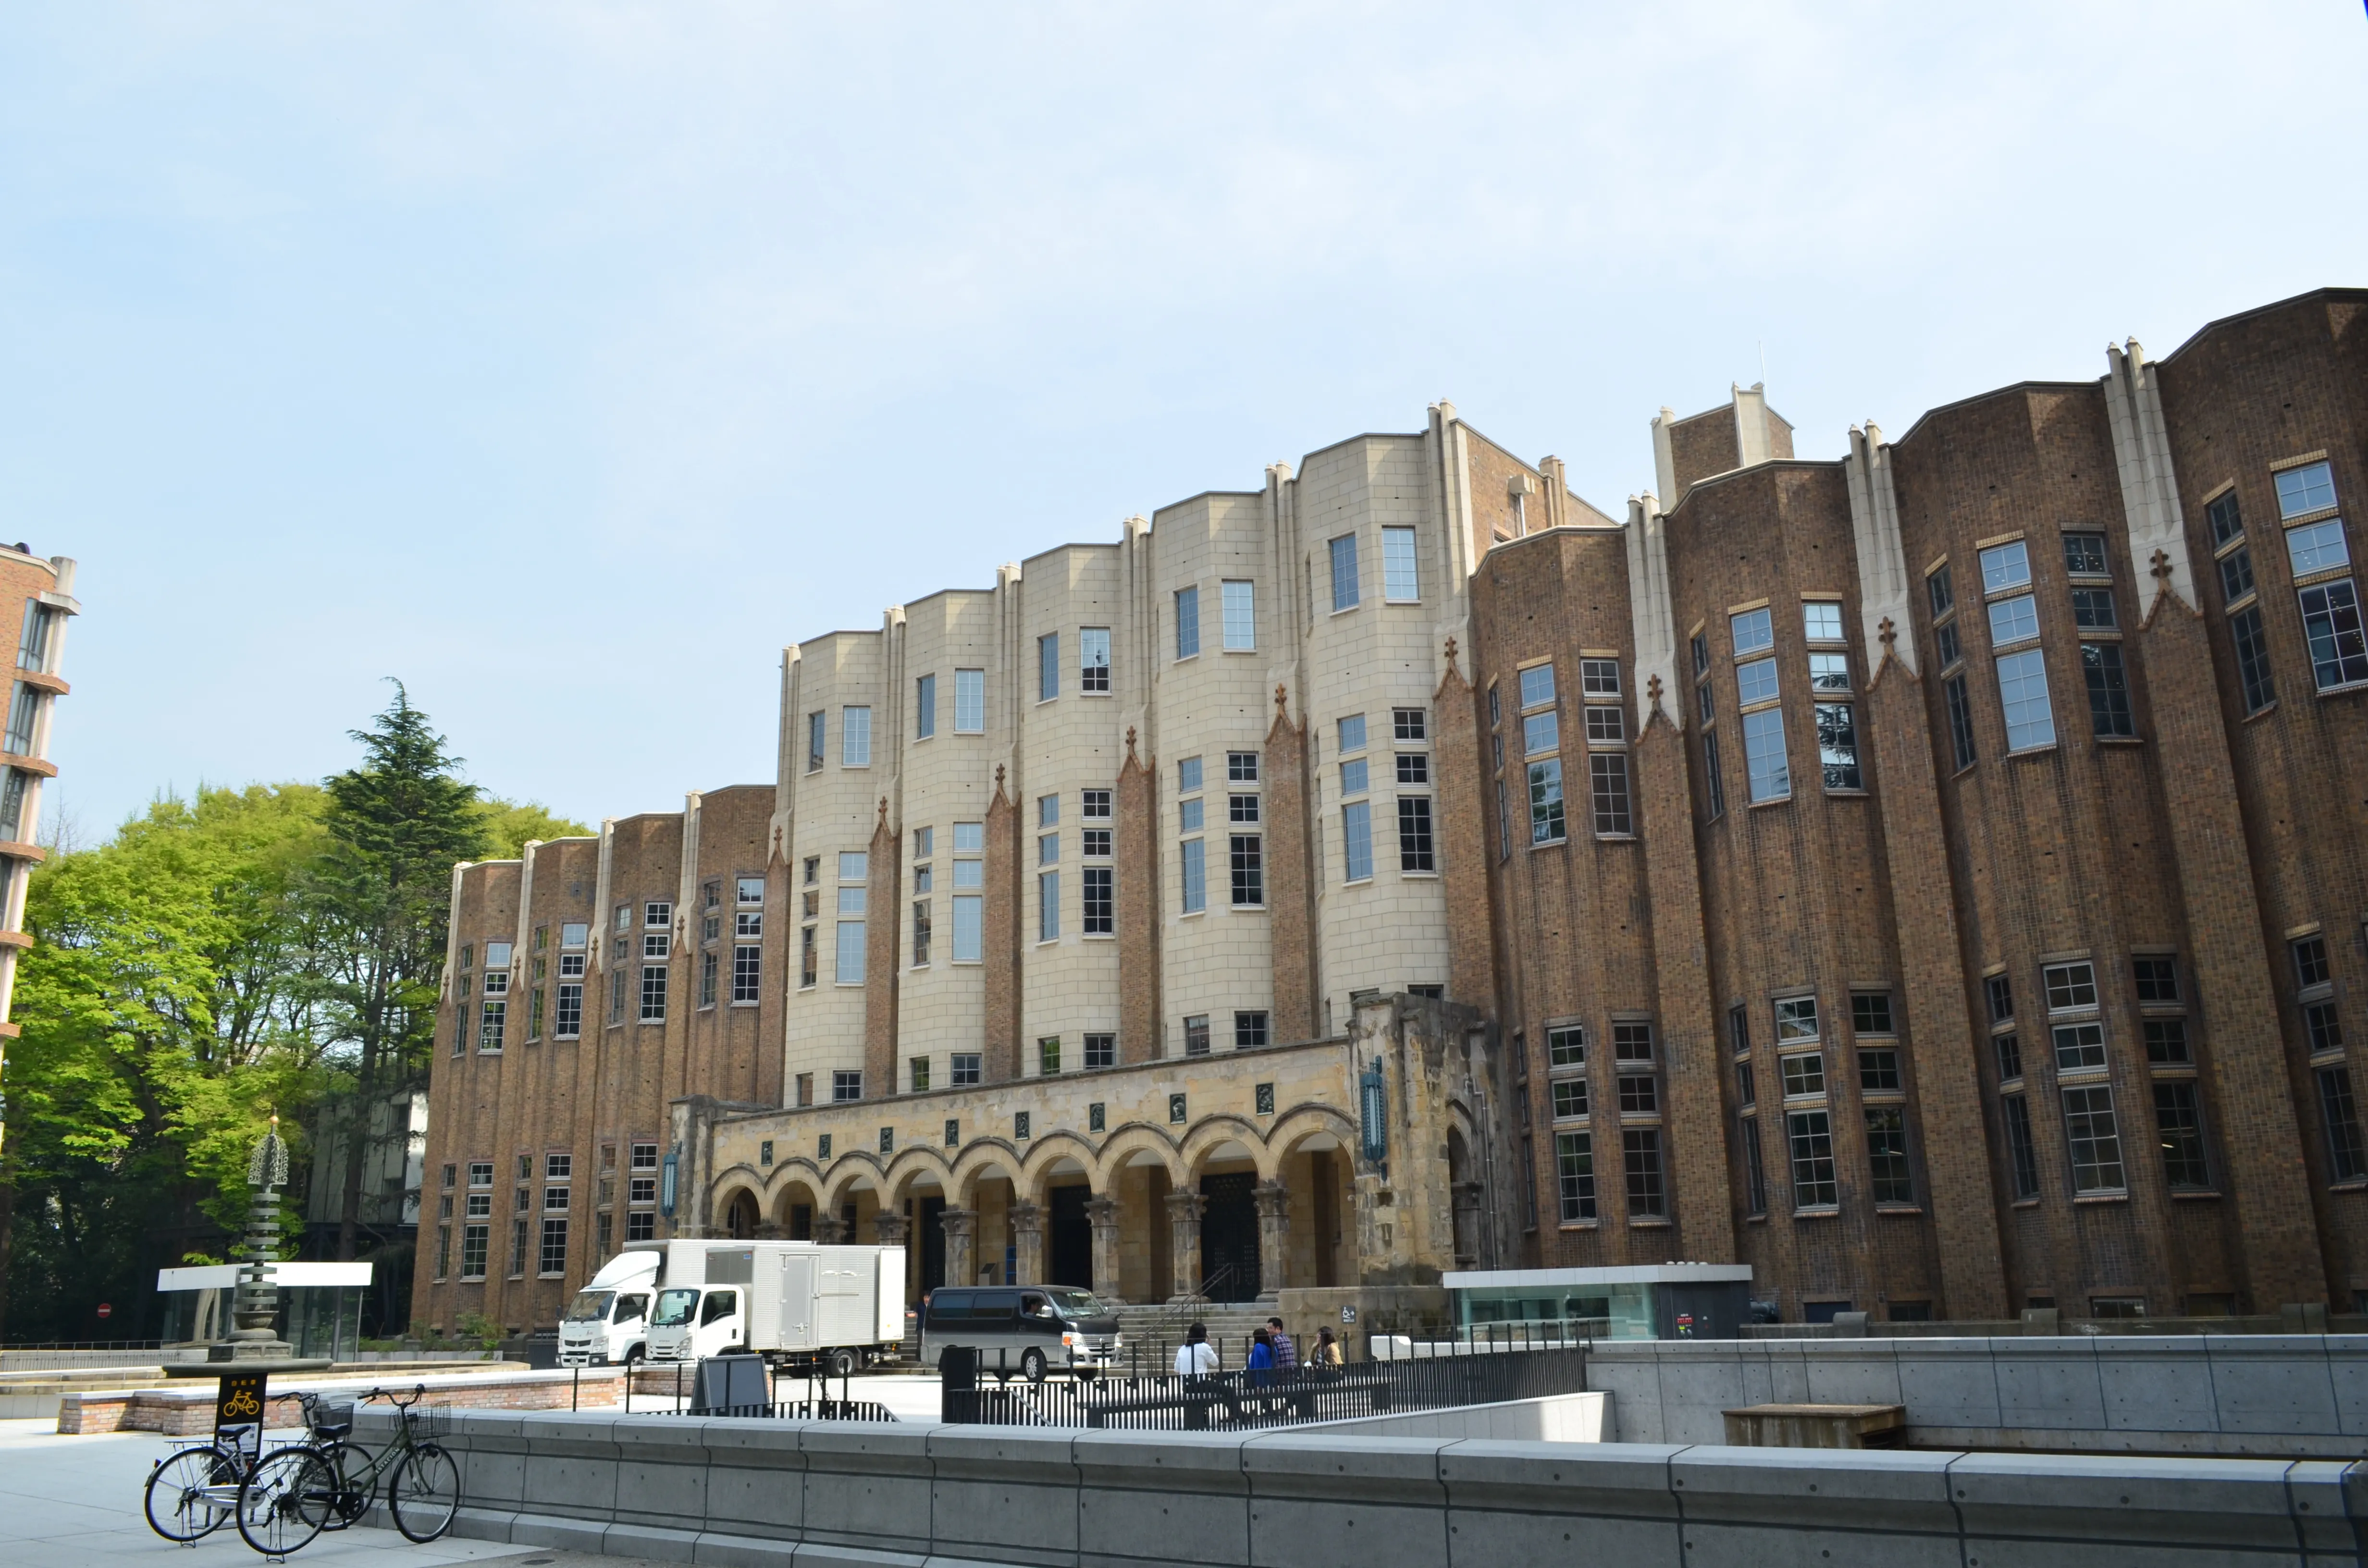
pixel 675 1308
pixel 1077 1304
pixel 590 1306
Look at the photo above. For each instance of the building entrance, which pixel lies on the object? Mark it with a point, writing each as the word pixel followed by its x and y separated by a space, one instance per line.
pixel 1229 1238
pixel 930 1213
pixel 1069 1239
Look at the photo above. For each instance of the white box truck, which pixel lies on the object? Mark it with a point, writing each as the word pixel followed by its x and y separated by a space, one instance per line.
pixel 796 1303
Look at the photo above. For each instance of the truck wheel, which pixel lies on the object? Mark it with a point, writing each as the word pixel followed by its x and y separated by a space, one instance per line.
pixel 1031 1366
pixel 838 1364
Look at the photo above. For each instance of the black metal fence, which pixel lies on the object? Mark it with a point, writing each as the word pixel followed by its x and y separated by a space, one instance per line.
pixel 1265 1398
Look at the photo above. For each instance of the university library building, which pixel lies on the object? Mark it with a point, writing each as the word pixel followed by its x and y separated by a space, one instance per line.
pixel 1935 877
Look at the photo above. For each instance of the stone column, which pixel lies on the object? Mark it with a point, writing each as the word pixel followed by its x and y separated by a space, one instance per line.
pixel 830 1231
pixel 1273 1202
pixel 1028 1243
pixel 892 1225
pixel 1102 1213
pixel 1184 1241
pixel 961 1225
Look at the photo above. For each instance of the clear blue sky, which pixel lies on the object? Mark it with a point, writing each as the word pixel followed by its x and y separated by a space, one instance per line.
pixel 567 360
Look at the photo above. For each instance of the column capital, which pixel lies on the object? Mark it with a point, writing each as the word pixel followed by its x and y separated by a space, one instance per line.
pixel 957 1221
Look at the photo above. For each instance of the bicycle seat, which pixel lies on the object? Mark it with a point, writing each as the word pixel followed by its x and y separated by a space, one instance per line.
pixel 330 1421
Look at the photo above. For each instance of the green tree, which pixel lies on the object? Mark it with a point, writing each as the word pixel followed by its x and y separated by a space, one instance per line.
pixel 510 826
pixel 377 901
pixel 165 1017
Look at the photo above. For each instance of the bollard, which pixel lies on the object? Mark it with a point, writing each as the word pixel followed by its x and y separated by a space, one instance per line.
pixel 575 1390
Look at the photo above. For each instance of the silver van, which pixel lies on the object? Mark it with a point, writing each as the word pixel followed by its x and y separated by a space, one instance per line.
pixel 1027 1329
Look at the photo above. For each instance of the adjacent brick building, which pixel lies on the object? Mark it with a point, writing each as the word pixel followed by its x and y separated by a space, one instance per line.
pixel 1933 876
pixel 45 590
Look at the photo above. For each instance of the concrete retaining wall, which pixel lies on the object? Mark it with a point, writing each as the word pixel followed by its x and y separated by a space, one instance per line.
pixel 1555 1418
pixel 2253 1394
pixel 757 1494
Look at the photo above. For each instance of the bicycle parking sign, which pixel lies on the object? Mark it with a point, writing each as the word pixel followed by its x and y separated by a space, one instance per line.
pixel 238 1414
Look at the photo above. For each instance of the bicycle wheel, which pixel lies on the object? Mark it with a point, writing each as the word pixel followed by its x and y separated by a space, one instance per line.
pixel 284 1503
pixel 191 1493
pixel 424 1493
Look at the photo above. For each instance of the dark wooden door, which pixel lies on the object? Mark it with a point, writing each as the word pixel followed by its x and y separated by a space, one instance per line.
pixel 1229 1238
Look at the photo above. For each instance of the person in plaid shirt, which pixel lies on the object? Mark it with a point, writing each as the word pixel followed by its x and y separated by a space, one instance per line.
pixel 1286 1356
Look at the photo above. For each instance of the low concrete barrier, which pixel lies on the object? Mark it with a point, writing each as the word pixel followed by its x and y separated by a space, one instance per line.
pixel 745 1494
pixel 185 1408
pixel 2294 1395
pixel 1554 1418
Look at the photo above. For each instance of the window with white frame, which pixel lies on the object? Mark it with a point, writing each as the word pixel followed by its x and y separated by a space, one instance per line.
pixel 925 707
pixel 1344 573
pixel 1240 614
pixel 855 737
pixel 1401 579
pixel 1187 622
pixel 1094 660
pixel 1751 631
pixel 2022 694
pixel 970 702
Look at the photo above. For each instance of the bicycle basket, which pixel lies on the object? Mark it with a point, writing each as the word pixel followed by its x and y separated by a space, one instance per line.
pixel 428 1420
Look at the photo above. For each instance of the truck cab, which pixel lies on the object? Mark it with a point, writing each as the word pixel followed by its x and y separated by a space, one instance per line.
pixel 608 1322
pixel 694 1321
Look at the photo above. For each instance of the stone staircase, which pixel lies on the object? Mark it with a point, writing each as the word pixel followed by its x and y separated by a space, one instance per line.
pixel 1157 1328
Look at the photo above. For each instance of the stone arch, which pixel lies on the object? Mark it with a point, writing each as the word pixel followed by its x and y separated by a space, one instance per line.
pixel 851 1173
pixel 981 1158
pixel 1117 1152
pixel 1212 1133
pixel 1303 1122
pixel 910 1165
pixel 1035 1179
pixel 738 1208
pixel 794 1183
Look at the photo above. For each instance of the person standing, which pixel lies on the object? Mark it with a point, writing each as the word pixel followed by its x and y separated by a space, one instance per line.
pixel 1196 1358
pixel 1258 1372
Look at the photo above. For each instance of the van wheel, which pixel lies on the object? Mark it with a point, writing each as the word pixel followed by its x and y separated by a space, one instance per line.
pixel 1031 1366
pixel 838 1364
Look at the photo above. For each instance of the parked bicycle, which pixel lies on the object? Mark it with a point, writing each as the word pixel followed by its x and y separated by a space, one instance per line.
pixel 194 1492
pixel 298 1492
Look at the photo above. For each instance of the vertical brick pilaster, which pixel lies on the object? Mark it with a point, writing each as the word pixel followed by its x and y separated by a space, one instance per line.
pixel 1138 907
pixel 2262 1141
pixel 882 970
pixel 1463 834
pixel 1001 937
pixel 1290 917
pixel 1947 1079
pixel 1702 1188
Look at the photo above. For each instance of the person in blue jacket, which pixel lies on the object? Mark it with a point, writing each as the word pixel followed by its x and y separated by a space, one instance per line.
pixel 1260 1365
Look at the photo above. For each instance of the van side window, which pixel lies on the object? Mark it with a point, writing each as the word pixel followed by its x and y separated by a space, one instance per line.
pixel 719 1304
pixel 949 1306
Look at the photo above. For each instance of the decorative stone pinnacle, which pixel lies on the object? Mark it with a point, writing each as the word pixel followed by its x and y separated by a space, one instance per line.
pixel 884 810
pixel 2161 567
pixel 1451 650
pixel 1281 701
pixel 1129 746
pixel 998 778
pixel 1652 690
pixel 1885 631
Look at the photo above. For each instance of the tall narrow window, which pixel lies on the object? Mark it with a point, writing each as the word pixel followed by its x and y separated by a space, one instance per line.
pixel 1545 802
pixel 1763 755
pixel 1048 666
pixel 1886 1149
pixel 1754 1169
pixel 2252 659
pixel 1097 912
pixel 654 992
pixel 2178 1124
pixel 814 724
pixel 1838 745
pixel 1607 775
pixel 1574 1174
pixel 1814 1183
pixel 850 948
pixel 2022 692
pixel 1357 841
pixel 1094 660
pixel 40 620
pixel 2347 1154
pixel 855 737
pixel 970 702
pixel 925 707
pixel 1241 615
pixel 1344 572
pixel 1187 622
pixel 1196 877
pixel 1640 1148
pixel 2022 1155
pixel 747 971
pixel 1961 722
pixel 2094 1139
pixel 1414 833
pixel 1048 906
pixel 970 925
pixel 707 973
pixel 1248 870
pixel 2109 691
pixel 1714 777
pixel 1401 582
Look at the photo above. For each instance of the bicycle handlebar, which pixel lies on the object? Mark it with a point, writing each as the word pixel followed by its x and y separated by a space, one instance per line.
pixel 419 1392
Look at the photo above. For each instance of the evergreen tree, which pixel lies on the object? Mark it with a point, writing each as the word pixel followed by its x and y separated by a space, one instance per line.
pixel 380 897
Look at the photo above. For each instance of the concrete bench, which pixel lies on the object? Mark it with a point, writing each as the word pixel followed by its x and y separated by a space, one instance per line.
pixel 1818 1426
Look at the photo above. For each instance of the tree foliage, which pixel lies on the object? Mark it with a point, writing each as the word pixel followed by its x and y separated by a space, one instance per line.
pixel 222 959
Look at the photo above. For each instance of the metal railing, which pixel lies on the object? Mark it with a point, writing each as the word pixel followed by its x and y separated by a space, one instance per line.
pixel 1453 1377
